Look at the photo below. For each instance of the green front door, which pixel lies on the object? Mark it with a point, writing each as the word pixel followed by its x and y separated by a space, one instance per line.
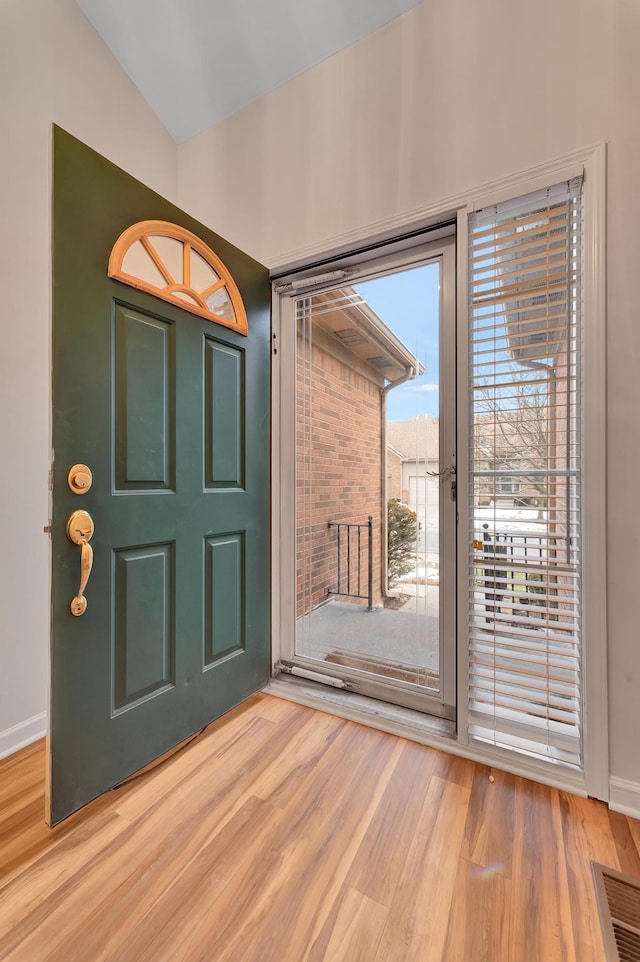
pixel 170 412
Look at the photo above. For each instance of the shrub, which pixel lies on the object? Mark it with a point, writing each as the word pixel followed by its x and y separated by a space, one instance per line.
pixel 402 529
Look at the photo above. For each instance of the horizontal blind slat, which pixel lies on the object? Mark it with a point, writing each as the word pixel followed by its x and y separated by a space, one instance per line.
pixel 512 224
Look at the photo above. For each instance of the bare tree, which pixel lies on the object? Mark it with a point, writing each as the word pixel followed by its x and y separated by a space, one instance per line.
pixel 512 430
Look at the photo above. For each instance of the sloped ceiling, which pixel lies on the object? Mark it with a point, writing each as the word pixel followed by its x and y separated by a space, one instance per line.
pixel 198 61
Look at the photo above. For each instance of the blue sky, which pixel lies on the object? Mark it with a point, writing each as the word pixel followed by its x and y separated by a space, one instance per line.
pixel 407 302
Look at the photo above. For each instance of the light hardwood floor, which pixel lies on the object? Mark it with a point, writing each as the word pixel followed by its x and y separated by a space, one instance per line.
pixel 283 834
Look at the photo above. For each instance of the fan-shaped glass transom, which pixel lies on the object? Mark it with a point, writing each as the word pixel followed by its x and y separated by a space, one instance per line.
pixel 172 263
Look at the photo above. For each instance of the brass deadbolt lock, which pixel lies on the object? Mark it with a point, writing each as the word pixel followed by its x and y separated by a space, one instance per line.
pixel 80 478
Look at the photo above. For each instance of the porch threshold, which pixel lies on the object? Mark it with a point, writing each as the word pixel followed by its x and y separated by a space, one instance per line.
pixel 405 722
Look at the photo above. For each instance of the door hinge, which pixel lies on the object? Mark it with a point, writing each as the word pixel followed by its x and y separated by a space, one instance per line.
pixel 51 478
pixel 274 343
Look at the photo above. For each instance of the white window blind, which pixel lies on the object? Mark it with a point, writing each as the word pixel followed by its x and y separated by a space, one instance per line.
pixel 524 470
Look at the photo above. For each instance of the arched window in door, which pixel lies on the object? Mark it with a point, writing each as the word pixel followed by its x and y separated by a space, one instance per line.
pixel 172 263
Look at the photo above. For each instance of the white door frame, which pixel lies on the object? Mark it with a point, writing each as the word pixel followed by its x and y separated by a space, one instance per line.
pixel 423 252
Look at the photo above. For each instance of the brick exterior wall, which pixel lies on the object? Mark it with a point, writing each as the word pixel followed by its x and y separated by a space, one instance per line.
pixel 339 472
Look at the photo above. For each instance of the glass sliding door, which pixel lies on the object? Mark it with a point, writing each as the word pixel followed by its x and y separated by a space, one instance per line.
pixel 375 481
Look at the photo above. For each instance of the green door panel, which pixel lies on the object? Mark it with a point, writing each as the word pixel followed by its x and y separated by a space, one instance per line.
pixel 224 416
pixel 144 384
pixel 224 622
pixel 171 414
pixel 143 639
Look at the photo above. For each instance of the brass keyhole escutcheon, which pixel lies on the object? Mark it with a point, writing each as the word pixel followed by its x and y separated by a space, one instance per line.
pixel 80 478
pixel 78 606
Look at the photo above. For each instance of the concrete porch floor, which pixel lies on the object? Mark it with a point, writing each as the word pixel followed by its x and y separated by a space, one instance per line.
pixel 408 636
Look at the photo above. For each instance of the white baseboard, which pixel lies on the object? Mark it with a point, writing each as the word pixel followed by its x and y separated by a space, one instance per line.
pixel 624 796
pixel 11 739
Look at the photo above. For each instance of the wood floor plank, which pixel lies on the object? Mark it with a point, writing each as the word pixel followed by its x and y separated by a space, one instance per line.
pixel 32 838
pixel 21 830
pixel 489 829
pixel 282 834
pixel 17 784
pixel 587 836
pixel 454 768
pixel 416 926
pixel 22 896
pixel 634 828
pixel 232 743
pixel 243 898
pixel 355 840
pixel 541 926
pixel 628 855
pixel 200 807
pixel 381 858
pixel 18 762
pixel 312 848
pixel 480 917
pixel 206 798
pixel 114 931
pixel 355 931
pixel 229 872
pixel 282 780
pixel 178 926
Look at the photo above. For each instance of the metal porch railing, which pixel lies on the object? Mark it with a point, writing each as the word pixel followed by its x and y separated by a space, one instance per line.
pixel 518 567
pixel 350 546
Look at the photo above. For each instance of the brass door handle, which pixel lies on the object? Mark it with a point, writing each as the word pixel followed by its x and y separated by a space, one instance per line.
pixel 451 470
pixel 80 530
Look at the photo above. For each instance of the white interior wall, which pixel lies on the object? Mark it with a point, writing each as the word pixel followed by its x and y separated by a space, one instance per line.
pixel 53 68
pixel 448 97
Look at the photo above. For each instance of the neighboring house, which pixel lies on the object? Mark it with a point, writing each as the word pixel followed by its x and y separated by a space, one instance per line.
pixel 394 470
pixel 416 442
pixel 510 439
